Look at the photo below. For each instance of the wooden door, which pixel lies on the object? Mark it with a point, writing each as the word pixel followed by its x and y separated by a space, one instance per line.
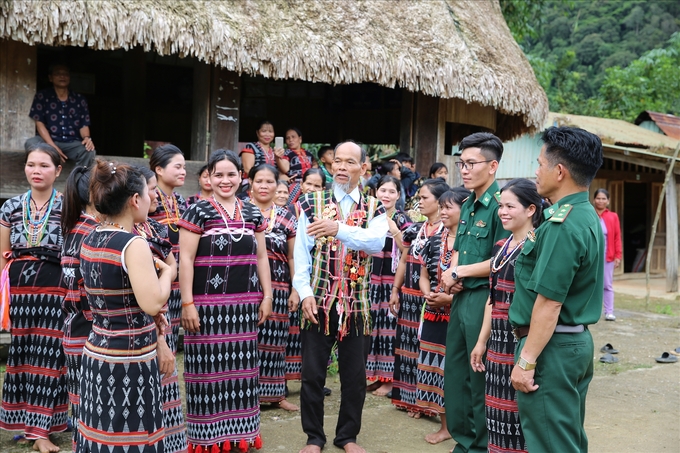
pixel 658 263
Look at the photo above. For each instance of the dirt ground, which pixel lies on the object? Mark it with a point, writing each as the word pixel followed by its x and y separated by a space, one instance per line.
pixel 632 406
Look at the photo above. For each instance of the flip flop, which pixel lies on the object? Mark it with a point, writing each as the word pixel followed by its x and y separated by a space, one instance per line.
pixel 609 349
pixel 676 351
pixel 608 358
pixel 666 358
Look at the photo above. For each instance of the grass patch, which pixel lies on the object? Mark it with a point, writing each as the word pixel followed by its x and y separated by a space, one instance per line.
pixel 612 369
pixel 656 306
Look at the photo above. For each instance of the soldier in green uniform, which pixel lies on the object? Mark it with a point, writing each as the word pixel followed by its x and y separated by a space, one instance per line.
pixel 558 293
pixel 468 279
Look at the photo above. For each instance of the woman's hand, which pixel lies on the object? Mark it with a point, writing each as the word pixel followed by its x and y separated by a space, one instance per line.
pixel 476 356
pixel 166 359
pixel 617 262
pixel 163 267
pixel 394 303
pixel 293 301
pixel 190 320
pixel 437 300
pixel 279 152
pixel 265 309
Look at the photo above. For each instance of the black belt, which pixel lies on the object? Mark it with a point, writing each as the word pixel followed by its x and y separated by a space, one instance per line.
pixel 521 332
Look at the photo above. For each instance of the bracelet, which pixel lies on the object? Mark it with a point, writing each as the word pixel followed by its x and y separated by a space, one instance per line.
pixel 267 297
pixel 186 304
pixel 87 137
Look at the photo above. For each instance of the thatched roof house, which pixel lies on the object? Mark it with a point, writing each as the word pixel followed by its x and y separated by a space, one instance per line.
pixel 454 61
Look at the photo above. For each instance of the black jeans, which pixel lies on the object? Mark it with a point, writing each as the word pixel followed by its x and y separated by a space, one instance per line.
pixel 352 353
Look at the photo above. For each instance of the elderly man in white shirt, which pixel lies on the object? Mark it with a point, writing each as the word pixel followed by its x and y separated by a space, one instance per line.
pixel 338 231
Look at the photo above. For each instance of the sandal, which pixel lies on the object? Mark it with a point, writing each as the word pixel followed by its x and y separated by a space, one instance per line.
pixel 666 358
pixel 608 358
pixel 609 349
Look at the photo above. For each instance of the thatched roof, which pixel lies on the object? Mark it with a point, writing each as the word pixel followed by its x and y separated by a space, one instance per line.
pixel 443 48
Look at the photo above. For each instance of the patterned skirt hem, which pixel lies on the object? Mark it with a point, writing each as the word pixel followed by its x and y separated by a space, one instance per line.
pixel 242 444
pixel 379 379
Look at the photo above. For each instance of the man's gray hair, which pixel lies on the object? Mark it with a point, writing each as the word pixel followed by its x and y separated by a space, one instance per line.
pixel 361 147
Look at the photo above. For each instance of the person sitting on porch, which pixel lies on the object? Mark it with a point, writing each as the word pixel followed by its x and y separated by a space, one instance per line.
pixel 262 152
pixel 62 119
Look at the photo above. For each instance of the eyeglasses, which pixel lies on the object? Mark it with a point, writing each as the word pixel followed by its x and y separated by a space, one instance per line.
pixel 470 165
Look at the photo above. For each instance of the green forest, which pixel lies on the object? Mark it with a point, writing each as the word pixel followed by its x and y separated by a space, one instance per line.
pixel 612 59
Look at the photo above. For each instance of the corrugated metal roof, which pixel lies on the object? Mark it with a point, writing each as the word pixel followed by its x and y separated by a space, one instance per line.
pixel 617 132
pixel 669 124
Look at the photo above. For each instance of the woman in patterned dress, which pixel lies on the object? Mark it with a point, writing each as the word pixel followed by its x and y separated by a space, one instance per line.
pixel 436 258
pixel 407 304
pixel 226 293
pixel 280 240
pixel 300 161
pixel 312 181
pixel 205 190
pixel 520 212
pixel 168 163
pixel 121 408
pixel 34 395
pixel 156 235
pixel 79 218
pixel 261 151
pixel 380 362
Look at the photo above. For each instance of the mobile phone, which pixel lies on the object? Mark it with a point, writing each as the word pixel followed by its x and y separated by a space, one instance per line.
pixel 278 142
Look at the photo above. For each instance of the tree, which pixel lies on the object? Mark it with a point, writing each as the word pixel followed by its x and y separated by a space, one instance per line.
pixel 652 82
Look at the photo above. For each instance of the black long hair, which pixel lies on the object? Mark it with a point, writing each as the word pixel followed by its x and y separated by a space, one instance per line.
pixel 76 198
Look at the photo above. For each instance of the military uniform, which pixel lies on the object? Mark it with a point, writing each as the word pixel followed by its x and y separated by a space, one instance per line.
pixel 564 263
pixel 479 229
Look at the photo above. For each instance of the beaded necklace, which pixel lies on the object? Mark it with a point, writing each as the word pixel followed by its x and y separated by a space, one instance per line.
pixel 223 212
pixel 269 156
pixel 422 237
pixel 503 256
pixel 145 230
pixel 171 202
pixel 272 218
pixel 113 224
pixel 35 229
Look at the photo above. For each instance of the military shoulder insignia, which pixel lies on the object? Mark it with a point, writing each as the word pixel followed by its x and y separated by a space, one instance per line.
pixel 480 224
pixel 531 236
pixel 497 196
pixel 561 214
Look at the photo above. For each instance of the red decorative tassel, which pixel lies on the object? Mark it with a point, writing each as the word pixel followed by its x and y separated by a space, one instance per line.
pixel 226 447
pixel 258 442
pixel 191 448
pixel 243 445
pixel 215 449
pixel 199 449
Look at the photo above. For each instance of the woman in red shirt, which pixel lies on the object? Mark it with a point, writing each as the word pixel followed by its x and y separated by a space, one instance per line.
pixel 611 227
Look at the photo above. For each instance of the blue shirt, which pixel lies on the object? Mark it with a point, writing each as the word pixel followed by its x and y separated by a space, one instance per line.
pixel 63 119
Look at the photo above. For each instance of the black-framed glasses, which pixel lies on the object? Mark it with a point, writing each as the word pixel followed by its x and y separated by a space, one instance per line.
pixel 470 165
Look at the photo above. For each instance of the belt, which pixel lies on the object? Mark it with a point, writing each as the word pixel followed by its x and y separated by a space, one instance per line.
pixel 521 332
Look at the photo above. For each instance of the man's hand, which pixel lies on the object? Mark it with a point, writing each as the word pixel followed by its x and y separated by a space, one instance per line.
pixel 88 144
pixel 309 310
pixel 63 156
pixel 523 381
pixel 322 228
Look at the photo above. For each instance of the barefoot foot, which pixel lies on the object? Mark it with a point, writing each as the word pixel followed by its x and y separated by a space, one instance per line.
pixel 439 436
pixel 415 415
pixel 384 389
pixel 45 446
pixel 287 406
pixel 353 448
pixel 374 386
pixel 311 449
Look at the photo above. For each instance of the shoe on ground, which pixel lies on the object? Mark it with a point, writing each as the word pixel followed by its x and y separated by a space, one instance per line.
pixel 327 391
pixel 608 358
pixel 609 349
pixel 666 358
pixel 609 317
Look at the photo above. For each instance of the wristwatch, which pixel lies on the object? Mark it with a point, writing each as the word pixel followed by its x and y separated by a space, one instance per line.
pixel 454 273
pixel 526 366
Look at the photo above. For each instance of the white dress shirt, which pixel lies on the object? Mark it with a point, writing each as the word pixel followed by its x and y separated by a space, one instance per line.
pixel 370 240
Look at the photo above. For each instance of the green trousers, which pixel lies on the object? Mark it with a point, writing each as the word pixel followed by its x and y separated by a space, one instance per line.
pixel 463 388
pixel 552 417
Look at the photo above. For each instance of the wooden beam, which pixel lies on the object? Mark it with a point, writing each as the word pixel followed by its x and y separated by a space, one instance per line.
pixel 17 89
pixel 671 237
pixel 638 161
pixel 473 114
pixel 225 102
pixel 426 126
pixel 200 116
pixel 406 122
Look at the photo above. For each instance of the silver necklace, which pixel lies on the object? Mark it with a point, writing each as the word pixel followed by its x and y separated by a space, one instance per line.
pixel 223 213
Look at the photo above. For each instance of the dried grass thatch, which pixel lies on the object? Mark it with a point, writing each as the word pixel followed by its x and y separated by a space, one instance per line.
pixel 443 48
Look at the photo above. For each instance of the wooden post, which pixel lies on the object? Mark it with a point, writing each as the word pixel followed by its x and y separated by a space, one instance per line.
pixel 406 123
pixel 200 116
pixel 669 175
pixel 225 101
pixel 426 128
pixel 17 89
pixel 671 236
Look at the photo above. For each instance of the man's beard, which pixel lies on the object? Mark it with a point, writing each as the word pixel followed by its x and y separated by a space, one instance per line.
pixel 344 187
